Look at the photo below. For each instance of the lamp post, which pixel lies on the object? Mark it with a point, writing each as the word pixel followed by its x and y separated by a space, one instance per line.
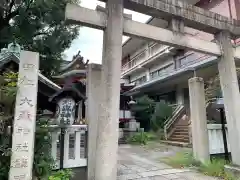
pixel 131 103
pixel 132 123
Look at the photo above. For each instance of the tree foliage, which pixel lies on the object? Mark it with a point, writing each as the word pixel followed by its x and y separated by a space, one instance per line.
pixel 7 98
pixel 161 113
pixel 38 25
pixel 142 110
pixel 150 114
pixel 213 87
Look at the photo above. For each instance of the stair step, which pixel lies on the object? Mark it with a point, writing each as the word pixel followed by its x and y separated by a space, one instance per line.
pixel 182 124
pixel 181 127
pixel 180 133
pixel 180 139
pixel 176 143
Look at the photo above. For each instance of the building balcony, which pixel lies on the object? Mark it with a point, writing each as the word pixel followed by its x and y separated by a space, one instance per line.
pixel 187 62
pixel 144 57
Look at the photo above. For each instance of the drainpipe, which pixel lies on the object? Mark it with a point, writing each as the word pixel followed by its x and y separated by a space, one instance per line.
pixel 225 145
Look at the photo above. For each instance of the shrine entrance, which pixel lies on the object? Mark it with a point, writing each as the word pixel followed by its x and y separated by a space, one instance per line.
pixel 103 101
pixel 178 15
pixel 69 135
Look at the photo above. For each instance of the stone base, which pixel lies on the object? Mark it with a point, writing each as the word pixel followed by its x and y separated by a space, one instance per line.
pixel 233 170
pixel 176 143
pixel 79 173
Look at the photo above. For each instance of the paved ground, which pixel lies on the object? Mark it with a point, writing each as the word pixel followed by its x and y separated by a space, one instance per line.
pixel 143 163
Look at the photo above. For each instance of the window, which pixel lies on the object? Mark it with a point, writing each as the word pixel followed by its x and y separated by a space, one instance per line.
pixel 191 58
pixel 162 71
pixel 140 80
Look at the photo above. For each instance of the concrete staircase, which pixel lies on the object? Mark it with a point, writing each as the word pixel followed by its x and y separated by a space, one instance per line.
pixel 178 132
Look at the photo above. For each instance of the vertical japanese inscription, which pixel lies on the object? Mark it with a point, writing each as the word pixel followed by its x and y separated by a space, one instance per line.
pixel 25 117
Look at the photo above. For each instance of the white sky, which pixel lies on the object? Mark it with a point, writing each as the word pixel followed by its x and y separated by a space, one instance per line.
pixel 89 41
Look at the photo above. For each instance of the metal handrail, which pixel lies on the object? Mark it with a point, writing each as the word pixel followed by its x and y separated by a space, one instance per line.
pixel 177 109
pixel 170 121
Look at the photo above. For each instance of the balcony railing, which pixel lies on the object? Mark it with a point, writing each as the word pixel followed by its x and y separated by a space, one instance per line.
pixel 140 57
pixel 144 55
pixel 155 48
pixel 166 72
pixel 190 62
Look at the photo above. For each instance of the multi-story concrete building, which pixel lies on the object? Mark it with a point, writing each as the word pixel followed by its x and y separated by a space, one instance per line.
pixel 161 71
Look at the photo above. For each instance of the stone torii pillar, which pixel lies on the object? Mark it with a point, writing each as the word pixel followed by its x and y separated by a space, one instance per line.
pixel 111 22
pixel 107 141
pixel 230 90
pixel 199 119
pixel 93 100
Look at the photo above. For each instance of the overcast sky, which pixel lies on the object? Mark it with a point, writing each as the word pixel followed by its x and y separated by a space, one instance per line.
pixel 89 41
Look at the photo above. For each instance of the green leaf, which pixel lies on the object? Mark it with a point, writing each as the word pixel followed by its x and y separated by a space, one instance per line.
pixel 39 25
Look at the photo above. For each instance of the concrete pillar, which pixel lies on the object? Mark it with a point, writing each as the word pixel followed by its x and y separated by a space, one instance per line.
pixel 148 75
pixel 230 91
pixel 25 117
pixel 107 142
pixel 80 114
pixel 177 26
pixel 199 119
pixel 93 89
pixel 180 95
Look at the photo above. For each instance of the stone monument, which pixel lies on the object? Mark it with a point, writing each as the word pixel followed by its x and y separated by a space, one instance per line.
pixel 25 117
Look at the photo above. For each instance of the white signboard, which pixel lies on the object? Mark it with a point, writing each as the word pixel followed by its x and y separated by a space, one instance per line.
pixel 66 111
pixel 25 117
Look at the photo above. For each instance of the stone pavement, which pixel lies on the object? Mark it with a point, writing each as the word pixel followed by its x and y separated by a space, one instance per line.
pixel 140 163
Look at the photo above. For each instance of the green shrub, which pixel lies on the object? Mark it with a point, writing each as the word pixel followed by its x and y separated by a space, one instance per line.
pixel 181 160
pixel 212 168
pixel 141 138
pixel 143 110
pixel 216 168
pixel 160 134
pixel 161 113
pixel 43 161
pixel 65 174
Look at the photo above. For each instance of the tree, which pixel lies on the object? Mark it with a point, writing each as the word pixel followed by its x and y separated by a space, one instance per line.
pixel 213 88
pixel 38 25
pixel 161 113
pixel 143 110
pixel 8 91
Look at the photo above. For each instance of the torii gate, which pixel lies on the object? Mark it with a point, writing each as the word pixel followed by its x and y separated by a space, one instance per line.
pixel 179 13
